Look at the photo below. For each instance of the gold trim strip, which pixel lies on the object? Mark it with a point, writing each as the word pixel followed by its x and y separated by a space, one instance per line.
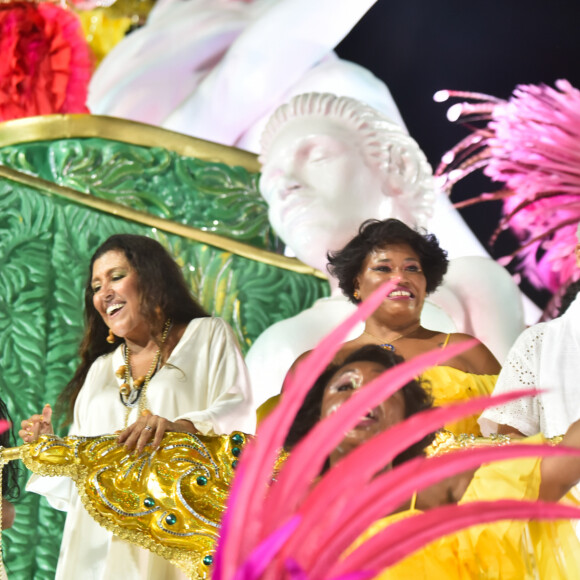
pixel 112 208
pixel 52 127
pixel 10 454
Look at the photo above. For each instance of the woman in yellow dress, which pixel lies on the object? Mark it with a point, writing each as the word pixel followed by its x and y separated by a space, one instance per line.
pixel 381 251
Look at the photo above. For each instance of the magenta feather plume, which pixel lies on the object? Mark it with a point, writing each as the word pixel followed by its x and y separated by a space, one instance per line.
pixel 386 492
pixel 322 507
pixel 308 457
pixel 404 537
pixel 335 498
pixel 243 529
pixel 290 529
pixel 261 556
pixel 531 146
pixel 296 572
pixel 382 449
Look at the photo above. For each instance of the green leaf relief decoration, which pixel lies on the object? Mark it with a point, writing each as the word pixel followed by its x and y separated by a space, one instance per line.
pixel 211 196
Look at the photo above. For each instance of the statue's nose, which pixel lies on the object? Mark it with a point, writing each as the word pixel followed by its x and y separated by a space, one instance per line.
pixel 290 187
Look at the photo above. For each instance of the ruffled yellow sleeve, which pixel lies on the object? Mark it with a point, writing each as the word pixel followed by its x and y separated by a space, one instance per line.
pixel 517 549
pixel 449 385
pixel 266 408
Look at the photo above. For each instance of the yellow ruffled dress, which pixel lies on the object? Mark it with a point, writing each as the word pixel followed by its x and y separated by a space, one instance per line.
pixel 506 550
pixel 449 385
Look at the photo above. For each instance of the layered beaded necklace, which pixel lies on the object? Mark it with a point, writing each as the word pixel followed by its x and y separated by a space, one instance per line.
pixel 133 392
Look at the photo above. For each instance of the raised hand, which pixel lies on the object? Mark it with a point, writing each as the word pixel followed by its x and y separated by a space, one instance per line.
pixel 37 425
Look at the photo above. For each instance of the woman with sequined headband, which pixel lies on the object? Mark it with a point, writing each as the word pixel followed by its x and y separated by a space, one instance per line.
pixel 337 383
pixel 508 550
pixel 383 250
pixel 152 360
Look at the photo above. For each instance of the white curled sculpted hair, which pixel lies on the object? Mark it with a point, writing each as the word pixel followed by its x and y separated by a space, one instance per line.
pixel 404 170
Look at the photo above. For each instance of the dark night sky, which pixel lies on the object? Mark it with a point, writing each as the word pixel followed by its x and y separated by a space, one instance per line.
pixel 421 46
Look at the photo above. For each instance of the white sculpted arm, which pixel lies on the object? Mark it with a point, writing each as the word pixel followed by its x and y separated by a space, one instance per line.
pixel 269 359
pixel 139 81
pixel 287 39
pixel 276 349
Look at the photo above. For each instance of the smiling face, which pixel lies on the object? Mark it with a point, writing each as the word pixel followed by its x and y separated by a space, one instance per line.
pixel 116 296
pixel 405 301
pixel 343 384
pixel 318 187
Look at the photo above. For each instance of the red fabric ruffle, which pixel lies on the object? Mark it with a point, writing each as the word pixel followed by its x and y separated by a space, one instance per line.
pixel 46 63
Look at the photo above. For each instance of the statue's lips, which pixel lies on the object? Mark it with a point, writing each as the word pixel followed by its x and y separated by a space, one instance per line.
pixel 296 208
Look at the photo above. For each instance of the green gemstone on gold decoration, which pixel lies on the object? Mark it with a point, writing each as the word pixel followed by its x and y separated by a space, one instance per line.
pixel 236 451
pixel 208 560
pixel 237 439
pixel 235 463
pixel 201 480
pixel 170 519
pixel 148 502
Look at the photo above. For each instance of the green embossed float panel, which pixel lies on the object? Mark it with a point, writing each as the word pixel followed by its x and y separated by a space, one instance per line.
pixel 46 243
pixel 210 196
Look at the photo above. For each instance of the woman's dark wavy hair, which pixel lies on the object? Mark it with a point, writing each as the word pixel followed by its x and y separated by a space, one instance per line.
pixel 416 399
pixel 164 294
pixel 10 486
pixel 346 264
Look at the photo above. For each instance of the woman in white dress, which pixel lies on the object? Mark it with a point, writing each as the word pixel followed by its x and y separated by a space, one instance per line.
pixel 151 361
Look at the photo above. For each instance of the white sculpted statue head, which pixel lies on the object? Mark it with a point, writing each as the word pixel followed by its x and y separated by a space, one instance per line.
pixel 330 163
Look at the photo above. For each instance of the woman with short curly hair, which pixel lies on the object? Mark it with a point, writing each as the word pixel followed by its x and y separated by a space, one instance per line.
pixel 389 249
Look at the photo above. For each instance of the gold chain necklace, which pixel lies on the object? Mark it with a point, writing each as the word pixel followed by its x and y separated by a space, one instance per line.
pixel 389 345
pixel 135 394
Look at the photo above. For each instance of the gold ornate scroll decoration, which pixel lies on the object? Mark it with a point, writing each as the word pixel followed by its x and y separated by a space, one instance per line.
pixel 169 501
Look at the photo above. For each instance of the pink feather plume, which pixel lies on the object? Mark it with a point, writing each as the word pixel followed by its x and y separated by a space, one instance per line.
pixel 323 512
pixel 531 146
pixel 242 530
pixel 406 536
pixel 308 457
pixel 388 491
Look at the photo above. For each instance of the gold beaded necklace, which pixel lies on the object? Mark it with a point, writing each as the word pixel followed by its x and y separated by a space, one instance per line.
pixel 133 392
pixel 389 345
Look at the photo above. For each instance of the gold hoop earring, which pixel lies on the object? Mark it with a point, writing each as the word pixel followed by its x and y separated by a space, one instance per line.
pixel 110 337
pixel 356 295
